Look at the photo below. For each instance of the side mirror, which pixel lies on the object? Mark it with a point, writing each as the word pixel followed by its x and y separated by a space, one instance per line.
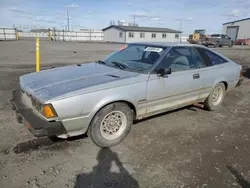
pixel 161 72
pixel 229 37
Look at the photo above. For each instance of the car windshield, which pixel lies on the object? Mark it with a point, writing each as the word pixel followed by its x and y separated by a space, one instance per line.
pixel 138 58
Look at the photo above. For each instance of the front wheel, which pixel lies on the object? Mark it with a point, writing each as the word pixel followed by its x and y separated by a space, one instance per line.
pixel 111 124
pixel 214 100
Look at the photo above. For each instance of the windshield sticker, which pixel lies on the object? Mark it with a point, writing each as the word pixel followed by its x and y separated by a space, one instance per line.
pixel 153 49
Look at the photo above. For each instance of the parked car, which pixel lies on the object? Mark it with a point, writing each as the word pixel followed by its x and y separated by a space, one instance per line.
pixel 242 41
pixel 104 98
pixel 218 40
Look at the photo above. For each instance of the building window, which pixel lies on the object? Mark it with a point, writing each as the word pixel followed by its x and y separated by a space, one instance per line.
pixel 142 35
pixel 177 36
pixel 131 35
pixel 120 34
pixel 153 35
pixel 164 35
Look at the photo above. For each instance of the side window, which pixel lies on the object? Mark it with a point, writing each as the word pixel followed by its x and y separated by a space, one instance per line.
pixel 131 35
pixel 120 34
pixel 198 60
pixel 178 59
pixel 223 36
pixel 214 58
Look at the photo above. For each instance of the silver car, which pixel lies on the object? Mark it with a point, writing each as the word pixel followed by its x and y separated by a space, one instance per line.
pixel 104 98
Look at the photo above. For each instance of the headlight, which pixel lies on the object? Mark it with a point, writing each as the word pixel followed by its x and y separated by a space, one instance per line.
pixel 46 110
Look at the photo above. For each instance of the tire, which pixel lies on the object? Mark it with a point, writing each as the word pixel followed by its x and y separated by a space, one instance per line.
pixel 99 132
pixel 216 45
pixel 211 103
pixel 220 46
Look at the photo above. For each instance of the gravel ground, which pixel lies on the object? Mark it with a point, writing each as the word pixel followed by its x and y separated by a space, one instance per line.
pixel 189 147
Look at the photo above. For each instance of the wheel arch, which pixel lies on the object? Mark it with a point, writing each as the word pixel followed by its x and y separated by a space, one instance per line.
pixel 222 80
pixel 226 84
pixel 129 103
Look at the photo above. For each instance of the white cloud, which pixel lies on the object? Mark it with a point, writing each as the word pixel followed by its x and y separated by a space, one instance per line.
pixel 143 15
pixel 90 12
pixel 155 18
pixel 129 4
pixel 233 13
pixel 72 6
pixel 140 14
pixel 43 19
pixel 19 11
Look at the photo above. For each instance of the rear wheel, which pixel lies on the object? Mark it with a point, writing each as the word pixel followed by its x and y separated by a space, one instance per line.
pixel 214 100
pixel 216 45
pixel 111 124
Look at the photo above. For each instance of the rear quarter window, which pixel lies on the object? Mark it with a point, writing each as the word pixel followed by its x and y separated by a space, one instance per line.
pixel 210 58
pixel 214 58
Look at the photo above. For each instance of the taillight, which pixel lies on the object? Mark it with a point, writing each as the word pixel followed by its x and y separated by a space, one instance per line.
pixel 241 73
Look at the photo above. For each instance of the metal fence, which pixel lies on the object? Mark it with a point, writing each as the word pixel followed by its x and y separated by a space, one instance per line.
pixel 7 34
pixel 32 35
pixel 55 35
pixel 88 35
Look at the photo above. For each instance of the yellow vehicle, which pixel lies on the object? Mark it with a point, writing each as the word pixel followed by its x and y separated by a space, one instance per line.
pixel 197 37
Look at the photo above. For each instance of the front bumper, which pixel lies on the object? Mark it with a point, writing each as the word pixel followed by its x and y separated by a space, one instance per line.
pixel 37 126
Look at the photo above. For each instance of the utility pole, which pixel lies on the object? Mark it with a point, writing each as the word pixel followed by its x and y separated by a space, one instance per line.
pixel 68 18
pixel 134 19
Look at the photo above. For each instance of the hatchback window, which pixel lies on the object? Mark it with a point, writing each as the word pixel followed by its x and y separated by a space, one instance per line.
pixel 135 57
pixel 178 59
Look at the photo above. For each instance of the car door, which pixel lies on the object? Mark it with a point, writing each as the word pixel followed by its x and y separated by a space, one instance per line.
pixel 180 88
pixel 223 40
pixel 228 40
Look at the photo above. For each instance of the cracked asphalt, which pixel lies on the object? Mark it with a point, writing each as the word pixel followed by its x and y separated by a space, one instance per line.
pixel 189 147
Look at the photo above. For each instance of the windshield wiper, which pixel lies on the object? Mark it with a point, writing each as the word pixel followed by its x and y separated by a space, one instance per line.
pixel 120 65
pixel 101 62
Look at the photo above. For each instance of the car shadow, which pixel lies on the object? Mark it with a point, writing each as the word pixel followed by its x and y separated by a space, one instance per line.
pixel 102 177
pixel 239 178
pixel 246 73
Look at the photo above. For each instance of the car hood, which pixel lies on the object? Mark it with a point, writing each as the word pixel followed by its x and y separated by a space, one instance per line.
pixel 52 83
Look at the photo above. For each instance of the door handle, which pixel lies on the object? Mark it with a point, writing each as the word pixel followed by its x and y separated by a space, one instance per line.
pixel 196 76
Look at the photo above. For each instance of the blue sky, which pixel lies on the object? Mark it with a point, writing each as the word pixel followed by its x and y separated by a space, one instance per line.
pixel 96 14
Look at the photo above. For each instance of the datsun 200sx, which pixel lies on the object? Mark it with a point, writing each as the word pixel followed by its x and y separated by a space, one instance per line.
pixel 104 98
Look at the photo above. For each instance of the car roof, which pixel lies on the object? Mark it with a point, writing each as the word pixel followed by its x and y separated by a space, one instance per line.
pixel 166 44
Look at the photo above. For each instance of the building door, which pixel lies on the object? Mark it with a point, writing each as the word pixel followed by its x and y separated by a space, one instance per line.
pixel 232 31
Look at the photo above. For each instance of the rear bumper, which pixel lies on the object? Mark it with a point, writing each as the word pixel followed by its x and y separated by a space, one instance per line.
pixel 37 126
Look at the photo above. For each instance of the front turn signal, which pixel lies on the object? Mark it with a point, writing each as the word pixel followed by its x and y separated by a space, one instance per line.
pixel 49 112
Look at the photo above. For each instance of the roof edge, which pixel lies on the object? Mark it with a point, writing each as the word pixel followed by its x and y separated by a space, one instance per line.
pixel 117 27
pixel 236 21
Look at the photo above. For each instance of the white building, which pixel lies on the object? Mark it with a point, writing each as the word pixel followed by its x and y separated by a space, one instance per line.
pixel 239 29
pixel 127 34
